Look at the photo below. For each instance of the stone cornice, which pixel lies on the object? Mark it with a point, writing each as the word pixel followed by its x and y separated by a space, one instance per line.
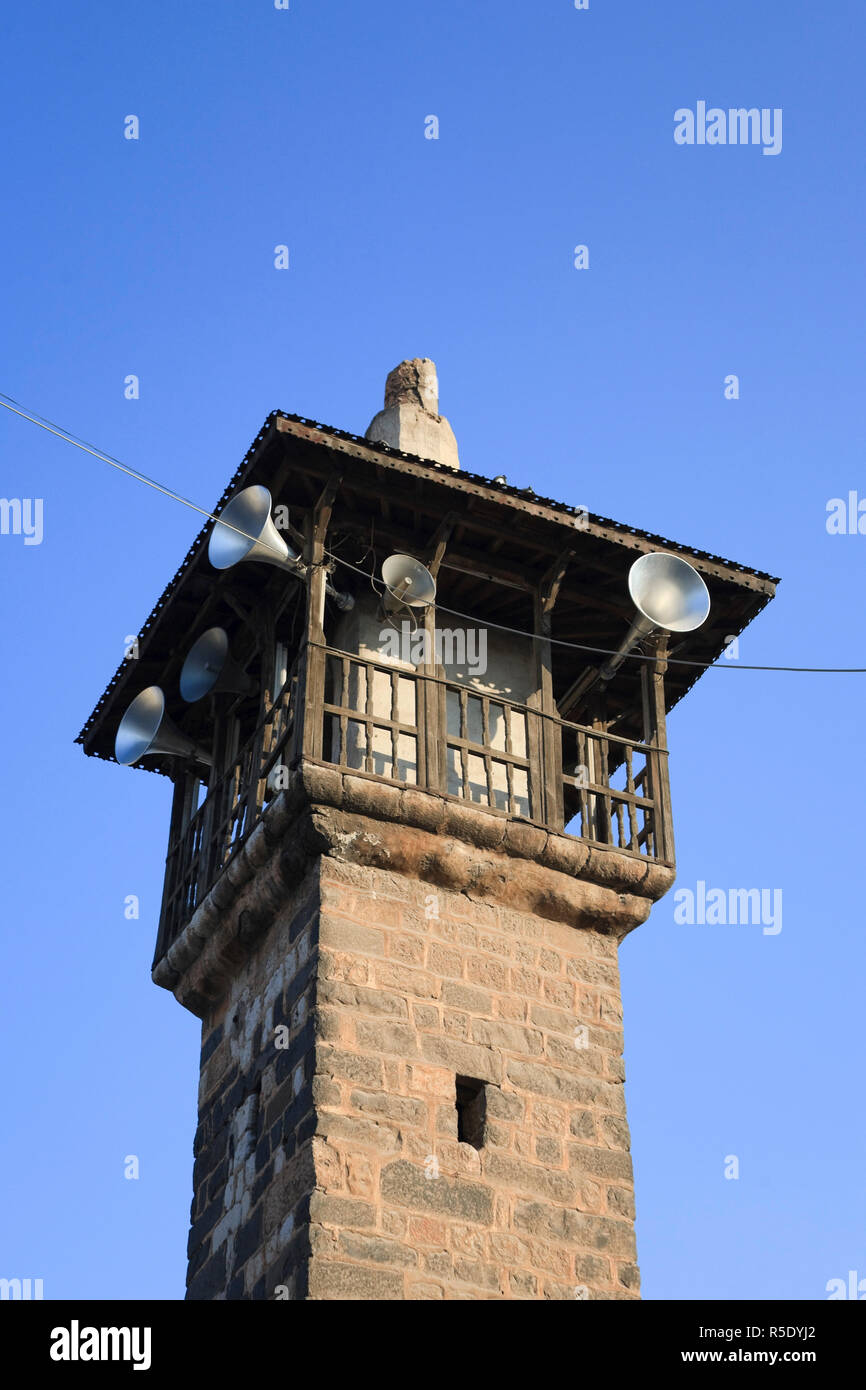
pixel 449 844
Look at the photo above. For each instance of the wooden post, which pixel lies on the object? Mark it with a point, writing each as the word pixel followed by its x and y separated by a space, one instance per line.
pixel 172 859
pixel 431 708
pixel 316 526
pixel 550 741
pixel 179 860
pixel 270 691
pixel 655 734
pixel 600 772
pixel 430 713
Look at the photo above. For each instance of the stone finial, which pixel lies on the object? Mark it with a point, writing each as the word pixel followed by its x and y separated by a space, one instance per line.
pixel 411 420
pixel 414 383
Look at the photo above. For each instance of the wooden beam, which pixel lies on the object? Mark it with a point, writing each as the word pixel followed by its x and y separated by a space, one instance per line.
pixel 459 561
pixel 551 584
pixel 596 529
pixel 655 733
pixel 439 543
pixel 551 735
pixel 323 508
pixel 573 696
pixel 317 523
pixel 462 564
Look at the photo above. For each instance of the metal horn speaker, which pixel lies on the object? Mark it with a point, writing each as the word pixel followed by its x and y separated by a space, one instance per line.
pixel 210 668
pixel 669 595
pixel 408 582
pixel 245 531
pixel 147 729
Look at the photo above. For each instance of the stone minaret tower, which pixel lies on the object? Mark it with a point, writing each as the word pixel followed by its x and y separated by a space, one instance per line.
pixel 402 861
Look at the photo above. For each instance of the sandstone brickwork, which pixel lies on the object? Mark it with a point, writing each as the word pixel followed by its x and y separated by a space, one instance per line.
pixel 328 1160
pixel 415 989
pixel 253 1174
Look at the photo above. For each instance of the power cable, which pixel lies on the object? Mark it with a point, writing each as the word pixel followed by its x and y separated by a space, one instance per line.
pixel 9 403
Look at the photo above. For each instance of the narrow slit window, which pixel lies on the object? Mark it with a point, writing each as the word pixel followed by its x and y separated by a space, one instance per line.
pixel 471 1111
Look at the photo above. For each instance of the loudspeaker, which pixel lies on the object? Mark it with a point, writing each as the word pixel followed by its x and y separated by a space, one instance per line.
pixel 209 668
pixel 669 595
pixel 146 728
pixel 408 582
pixel 245 531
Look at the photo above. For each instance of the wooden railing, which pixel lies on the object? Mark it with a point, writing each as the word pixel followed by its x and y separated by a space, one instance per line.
pixel 203 845
pixel 396 724
pixel 613 795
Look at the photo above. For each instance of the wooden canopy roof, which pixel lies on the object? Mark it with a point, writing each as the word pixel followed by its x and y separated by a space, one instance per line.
pixel 501 544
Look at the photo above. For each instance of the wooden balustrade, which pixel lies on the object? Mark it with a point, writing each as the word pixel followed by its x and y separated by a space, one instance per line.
pixel 379 721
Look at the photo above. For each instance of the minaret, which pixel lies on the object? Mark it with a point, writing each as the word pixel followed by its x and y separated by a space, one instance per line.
pixel 404 847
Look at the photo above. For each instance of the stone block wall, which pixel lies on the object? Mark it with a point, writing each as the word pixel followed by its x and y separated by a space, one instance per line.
pixel 253 1173
pixel 328 1158
pixel 417 988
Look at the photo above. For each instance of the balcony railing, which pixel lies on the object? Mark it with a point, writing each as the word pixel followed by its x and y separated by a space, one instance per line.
pixel 202 847
pixel 395 724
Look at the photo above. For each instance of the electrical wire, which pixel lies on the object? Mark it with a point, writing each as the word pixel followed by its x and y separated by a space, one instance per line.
pixel 630 656
pixel 9 403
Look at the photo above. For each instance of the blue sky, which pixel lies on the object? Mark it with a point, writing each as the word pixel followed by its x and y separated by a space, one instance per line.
pixel 602 387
